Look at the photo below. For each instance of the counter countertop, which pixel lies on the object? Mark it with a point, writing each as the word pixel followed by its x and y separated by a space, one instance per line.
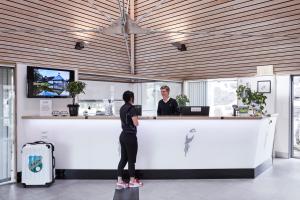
pixel 148 118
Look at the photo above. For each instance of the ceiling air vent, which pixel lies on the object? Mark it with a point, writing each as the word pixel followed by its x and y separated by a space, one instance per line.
pixel 267 70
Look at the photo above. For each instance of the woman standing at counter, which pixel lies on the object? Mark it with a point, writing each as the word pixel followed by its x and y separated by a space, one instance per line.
pixel 128 141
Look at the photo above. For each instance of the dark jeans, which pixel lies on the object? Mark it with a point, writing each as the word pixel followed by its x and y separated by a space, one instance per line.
pixel 129 147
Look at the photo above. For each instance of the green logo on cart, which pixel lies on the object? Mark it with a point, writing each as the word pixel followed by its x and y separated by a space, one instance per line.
pixel 35 164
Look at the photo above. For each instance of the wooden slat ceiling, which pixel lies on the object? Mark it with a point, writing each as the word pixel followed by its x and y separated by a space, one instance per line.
pixel 121 79
pixel 103 54
pixel 218 56
pixel 207 56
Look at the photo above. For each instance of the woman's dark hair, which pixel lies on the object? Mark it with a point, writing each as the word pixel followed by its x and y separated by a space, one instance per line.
pixel 127 96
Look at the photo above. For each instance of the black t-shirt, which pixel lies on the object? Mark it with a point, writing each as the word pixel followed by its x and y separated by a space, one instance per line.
pixel 169 108
pixel 127 111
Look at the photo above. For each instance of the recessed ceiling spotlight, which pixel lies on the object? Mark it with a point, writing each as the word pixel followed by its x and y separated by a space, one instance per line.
pixel 180 47
pixel 80 45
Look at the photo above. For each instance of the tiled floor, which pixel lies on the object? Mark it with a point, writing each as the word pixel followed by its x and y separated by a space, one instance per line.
pixel 282 182
pixel 127 194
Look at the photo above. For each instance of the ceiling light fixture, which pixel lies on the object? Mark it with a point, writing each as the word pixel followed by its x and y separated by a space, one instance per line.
pixel 79 45
pixel 180 47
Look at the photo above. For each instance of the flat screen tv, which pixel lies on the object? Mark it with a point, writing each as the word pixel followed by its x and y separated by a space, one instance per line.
pixel 47 82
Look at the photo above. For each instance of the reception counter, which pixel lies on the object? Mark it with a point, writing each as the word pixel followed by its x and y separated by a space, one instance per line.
pixel 169 147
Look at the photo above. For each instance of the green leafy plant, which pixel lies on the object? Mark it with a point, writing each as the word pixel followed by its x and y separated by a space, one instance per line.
pixel 251 98
pixel 182 100
pixel 75 88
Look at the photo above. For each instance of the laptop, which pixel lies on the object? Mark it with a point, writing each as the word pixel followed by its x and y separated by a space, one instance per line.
pixel 194 110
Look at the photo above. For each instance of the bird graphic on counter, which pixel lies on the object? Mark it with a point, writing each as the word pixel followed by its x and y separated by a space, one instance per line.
pixel 188 139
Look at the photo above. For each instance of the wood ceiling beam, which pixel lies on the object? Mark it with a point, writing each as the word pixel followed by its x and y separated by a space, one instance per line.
pixel 132 40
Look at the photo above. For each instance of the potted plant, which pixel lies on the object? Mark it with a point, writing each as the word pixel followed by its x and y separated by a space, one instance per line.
pixel 182 100
pixel 243 94
pixel 253 99
pixel 258 103
pixel 75 88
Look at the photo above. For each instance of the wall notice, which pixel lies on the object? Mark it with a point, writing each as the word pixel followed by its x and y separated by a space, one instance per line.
pixel 45 107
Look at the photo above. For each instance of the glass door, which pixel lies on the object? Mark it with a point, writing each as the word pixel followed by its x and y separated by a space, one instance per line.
pixel 296 116
pixel 7 123
pixel 221 96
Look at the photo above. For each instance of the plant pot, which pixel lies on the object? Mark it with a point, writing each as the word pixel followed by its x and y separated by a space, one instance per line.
pixel 73 109
pixel 243 109
pixel 181 105
pixel 257 113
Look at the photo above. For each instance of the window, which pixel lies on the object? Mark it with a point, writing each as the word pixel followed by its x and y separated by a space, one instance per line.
pixel 220 95
pixel 296 116
pixel 151 95
pixel 98 95
pixel 7 113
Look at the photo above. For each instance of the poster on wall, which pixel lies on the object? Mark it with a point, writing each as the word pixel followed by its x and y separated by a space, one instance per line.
pixel 45 107
pixel 264 86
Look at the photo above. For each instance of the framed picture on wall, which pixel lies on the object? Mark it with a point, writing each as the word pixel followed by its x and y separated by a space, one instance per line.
pixel 264 86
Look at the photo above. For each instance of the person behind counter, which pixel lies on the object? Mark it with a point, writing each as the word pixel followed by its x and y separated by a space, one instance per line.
pixel 128 141
pixel 167 105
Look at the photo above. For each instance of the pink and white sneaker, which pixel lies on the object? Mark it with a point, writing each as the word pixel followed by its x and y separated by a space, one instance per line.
pixel 135 183
pixel 121 185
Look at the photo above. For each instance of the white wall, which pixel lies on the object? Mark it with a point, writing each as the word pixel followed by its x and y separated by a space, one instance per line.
pixel 283 136
pixel 30 106
pixel 278 101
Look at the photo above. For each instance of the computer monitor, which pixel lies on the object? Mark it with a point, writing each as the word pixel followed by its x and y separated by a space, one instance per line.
pixel 194 110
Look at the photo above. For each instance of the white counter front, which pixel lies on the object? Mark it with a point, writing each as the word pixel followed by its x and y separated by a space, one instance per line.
pixel 164 143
